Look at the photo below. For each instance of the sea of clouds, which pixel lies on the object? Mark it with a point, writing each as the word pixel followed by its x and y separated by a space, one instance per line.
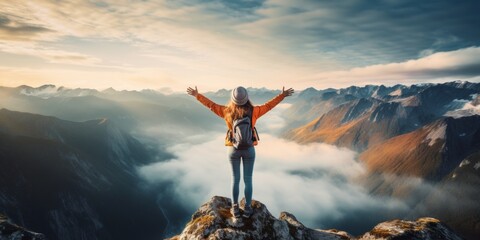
pixel 315 182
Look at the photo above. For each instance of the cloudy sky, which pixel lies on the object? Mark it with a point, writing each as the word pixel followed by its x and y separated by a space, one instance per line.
pixel 213 44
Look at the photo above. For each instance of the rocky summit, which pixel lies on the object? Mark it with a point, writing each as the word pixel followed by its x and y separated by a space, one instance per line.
pixel 213 220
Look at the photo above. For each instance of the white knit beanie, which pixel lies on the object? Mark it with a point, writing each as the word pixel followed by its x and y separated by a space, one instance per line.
pixel 239 96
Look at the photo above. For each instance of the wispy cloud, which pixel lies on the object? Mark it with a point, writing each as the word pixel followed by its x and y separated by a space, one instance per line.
pixel 216 42
pixel 205 47
pixel 15 30
pixel 441 66
pixel 49 54
pixel 108 77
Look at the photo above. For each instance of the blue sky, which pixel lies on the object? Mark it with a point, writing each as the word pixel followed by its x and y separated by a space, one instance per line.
pixel 215 44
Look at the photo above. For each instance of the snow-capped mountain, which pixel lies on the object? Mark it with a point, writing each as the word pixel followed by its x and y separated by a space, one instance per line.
pixel 419 143
pixel 49 91
pixel 366 120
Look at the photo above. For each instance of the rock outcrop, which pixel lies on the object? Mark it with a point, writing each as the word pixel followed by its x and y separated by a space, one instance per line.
pixel 10 231
pixel 213 220
pixel 423 228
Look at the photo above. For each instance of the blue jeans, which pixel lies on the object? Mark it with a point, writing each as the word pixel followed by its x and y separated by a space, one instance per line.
pixel 247 157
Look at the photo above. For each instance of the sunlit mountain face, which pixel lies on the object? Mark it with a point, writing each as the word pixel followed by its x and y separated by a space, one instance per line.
pixel 90 164
pixel 412 142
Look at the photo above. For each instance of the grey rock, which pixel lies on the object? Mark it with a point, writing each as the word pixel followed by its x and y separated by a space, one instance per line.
pixel 423 228
pixel 213 220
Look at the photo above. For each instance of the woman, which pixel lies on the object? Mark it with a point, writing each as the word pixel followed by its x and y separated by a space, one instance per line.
pixel 239 107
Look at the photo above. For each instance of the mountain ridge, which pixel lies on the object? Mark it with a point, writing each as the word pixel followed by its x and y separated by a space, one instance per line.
pixel 358 118
pixel 415 142
pixel 382 116
pixel 77 179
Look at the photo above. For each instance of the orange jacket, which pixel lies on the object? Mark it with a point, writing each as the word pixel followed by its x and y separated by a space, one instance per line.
pixel 258 111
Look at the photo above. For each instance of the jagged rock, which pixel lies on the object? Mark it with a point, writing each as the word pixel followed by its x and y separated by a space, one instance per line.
pixel 213 220
pixel 10 231
pixel 422 228
pixel 299 231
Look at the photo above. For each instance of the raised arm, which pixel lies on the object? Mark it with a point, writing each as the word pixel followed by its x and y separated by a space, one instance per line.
pixel 262 109
pixel 215 108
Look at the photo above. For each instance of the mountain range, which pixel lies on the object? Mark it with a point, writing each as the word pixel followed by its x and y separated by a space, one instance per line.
pixel 427 132
pixel 75 180
pixel 69 157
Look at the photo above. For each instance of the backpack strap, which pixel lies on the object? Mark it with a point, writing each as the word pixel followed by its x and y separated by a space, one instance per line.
pixel 254 129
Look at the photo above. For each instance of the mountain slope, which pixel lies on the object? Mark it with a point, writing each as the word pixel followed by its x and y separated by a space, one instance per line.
pixel 357 124
pixel 444 158
pixel 364 122
pixel 455 199
pixel 413 142
pixel 73 180
pixel 430 152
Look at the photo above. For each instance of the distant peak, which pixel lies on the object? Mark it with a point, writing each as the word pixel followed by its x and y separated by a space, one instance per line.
pixel 310 89
pixel 103 121
pixel 109 90
pixel 47 86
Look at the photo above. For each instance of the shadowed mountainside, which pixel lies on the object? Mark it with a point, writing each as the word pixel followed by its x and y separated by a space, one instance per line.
pixel 75 180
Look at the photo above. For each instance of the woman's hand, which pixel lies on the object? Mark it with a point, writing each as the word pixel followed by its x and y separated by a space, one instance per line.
pixel 193 92
pixel 287 92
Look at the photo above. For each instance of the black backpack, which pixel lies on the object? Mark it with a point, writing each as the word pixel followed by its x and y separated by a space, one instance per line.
pixel 243 135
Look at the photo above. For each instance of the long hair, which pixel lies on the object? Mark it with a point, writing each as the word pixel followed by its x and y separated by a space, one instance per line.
pixel 233 111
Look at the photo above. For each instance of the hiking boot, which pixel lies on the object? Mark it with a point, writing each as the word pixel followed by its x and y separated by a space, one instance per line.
pixel 248 211
pixel 235 210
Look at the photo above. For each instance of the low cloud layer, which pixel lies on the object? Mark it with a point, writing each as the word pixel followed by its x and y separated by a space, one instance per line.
pixel 315 182
pixel 311 181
